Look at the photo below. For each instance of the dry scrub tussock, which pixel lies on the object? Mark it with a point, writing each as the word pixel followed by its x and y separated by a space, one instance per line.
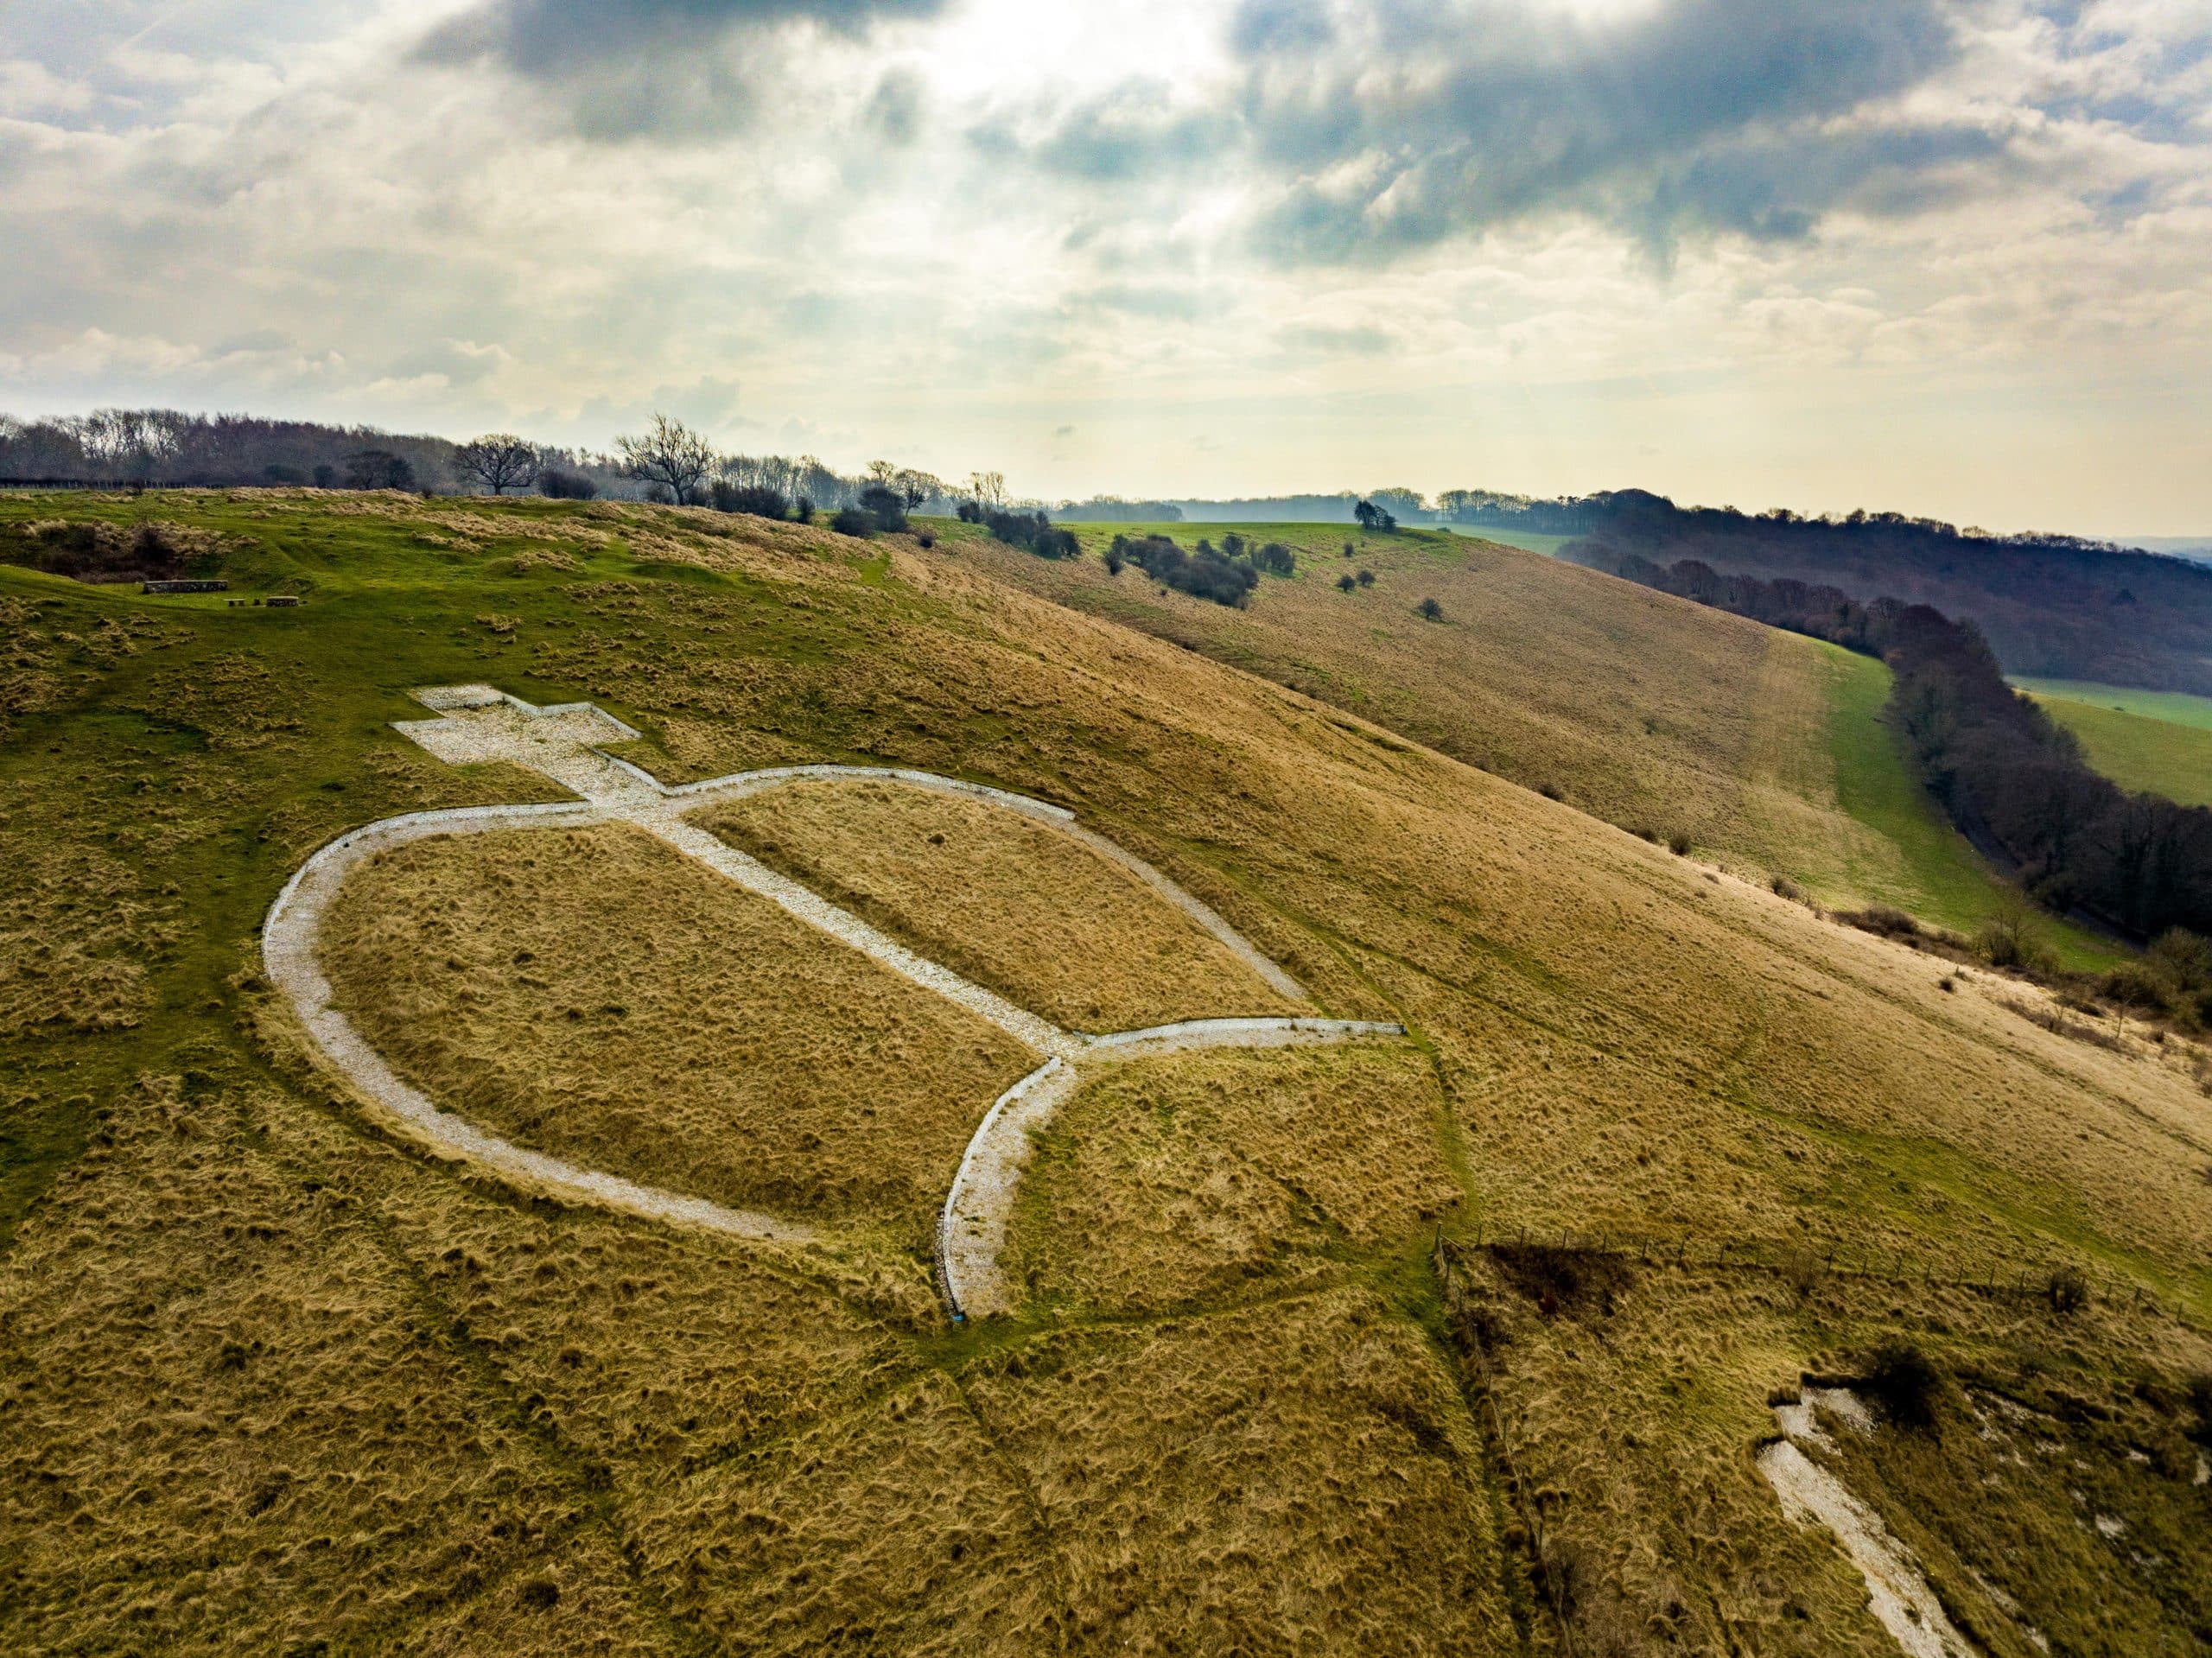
pixel 1008 902
pixel 891 1527
pixel 229 1415
pixel 1291 1475
pixel 593 995
pixel 1168 1181
pixel 1626 1415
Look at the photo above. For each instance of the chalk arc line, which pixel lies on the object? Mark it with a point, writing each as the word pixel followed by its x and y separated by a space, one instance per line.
pixel 566 742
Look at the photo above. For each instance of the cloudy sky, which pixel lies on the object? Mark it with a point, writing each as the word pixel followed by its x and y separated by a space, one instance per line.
pixel 1949 256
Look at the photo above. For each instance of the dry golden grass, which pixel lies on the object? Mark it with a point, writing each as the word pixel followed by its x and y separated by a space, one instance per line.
pixel 593 993
pixel 1000 899
pixel 1297 1476
pixel 891 1527
pixel 1638 708
pixel 1628 1410
pixel 226 1418
pixel 1166 1181
pixel 461 1394
pixel 79 972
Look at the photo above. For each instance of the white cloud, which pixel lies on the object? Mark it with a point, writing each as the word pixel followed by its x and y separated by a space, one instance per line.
pixel 983 223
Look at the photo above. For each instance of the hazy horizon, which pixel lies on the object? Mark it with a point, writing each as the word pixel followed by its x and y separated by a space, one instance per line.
pixel 1952 257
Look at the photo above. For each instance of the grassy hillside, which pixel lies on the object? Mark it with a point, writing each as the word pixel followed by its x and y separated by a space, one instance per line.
pixel 2159 742
pixel 1528 541
pixel 1306 1363
pixel 1661 716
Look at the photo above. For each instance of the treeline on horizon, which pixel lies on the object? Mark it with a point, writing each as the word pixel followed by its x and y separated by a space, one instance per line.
pixel 156 447
pixel 2010 777
pixel 2050 606
pixel 2055 606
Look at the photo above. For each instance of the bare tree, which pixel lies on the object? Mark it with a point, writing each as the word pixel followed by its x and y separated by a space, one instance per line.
pixel 914 487
pixel 498 461
pixel 378 469
pixel 127 444
pixel 988 487
pixel 670 454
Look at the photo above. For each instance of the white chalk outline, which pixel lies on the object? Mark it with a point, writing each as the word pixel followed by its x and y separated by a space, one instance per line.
pixel 566 742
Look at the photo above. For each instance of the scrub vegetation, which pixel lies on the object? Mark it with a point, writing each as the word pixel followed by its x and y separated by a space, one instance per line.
pixel 1626 1386
pixel 270 1376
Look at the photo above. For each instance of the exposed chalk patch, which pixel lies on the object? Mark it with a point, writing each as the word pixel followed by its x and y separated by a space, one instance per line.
pixel 1897 1592
pixel 971 1229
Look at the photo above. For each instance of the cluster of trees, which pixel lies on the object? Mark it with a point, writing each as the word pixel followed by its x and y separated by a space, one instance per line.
pixel 1227 575
pixel 1112 509
pixel 133 446
pixel 1033 530
pixel 674 463
pixel 668 461
pixel 879 509
pixel 2011 779
pixel 1205 573
pixel 1495 510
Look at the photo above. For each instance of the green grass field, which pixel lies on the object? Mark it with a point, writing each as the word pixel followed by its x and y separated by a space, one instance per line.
pixel 1528 541
pixel 1949 883
pixel 2152 742
pixel 2174 708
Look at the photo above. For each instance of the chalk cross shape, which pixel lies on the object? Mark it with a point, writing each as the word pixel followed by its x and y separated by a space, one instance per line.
pixel 568 743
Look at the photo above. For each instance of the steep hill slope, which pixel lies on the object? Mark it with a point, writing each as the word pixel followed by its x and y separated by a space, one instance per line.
pixel 1765 749
pixel 1304 1362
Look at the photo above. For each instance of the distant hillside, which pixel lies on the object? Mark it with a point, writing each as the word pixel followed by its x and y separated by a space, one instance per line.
pixel 1760 747
pixel 2053 606
pixel 2198 547
pixel 1336 507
